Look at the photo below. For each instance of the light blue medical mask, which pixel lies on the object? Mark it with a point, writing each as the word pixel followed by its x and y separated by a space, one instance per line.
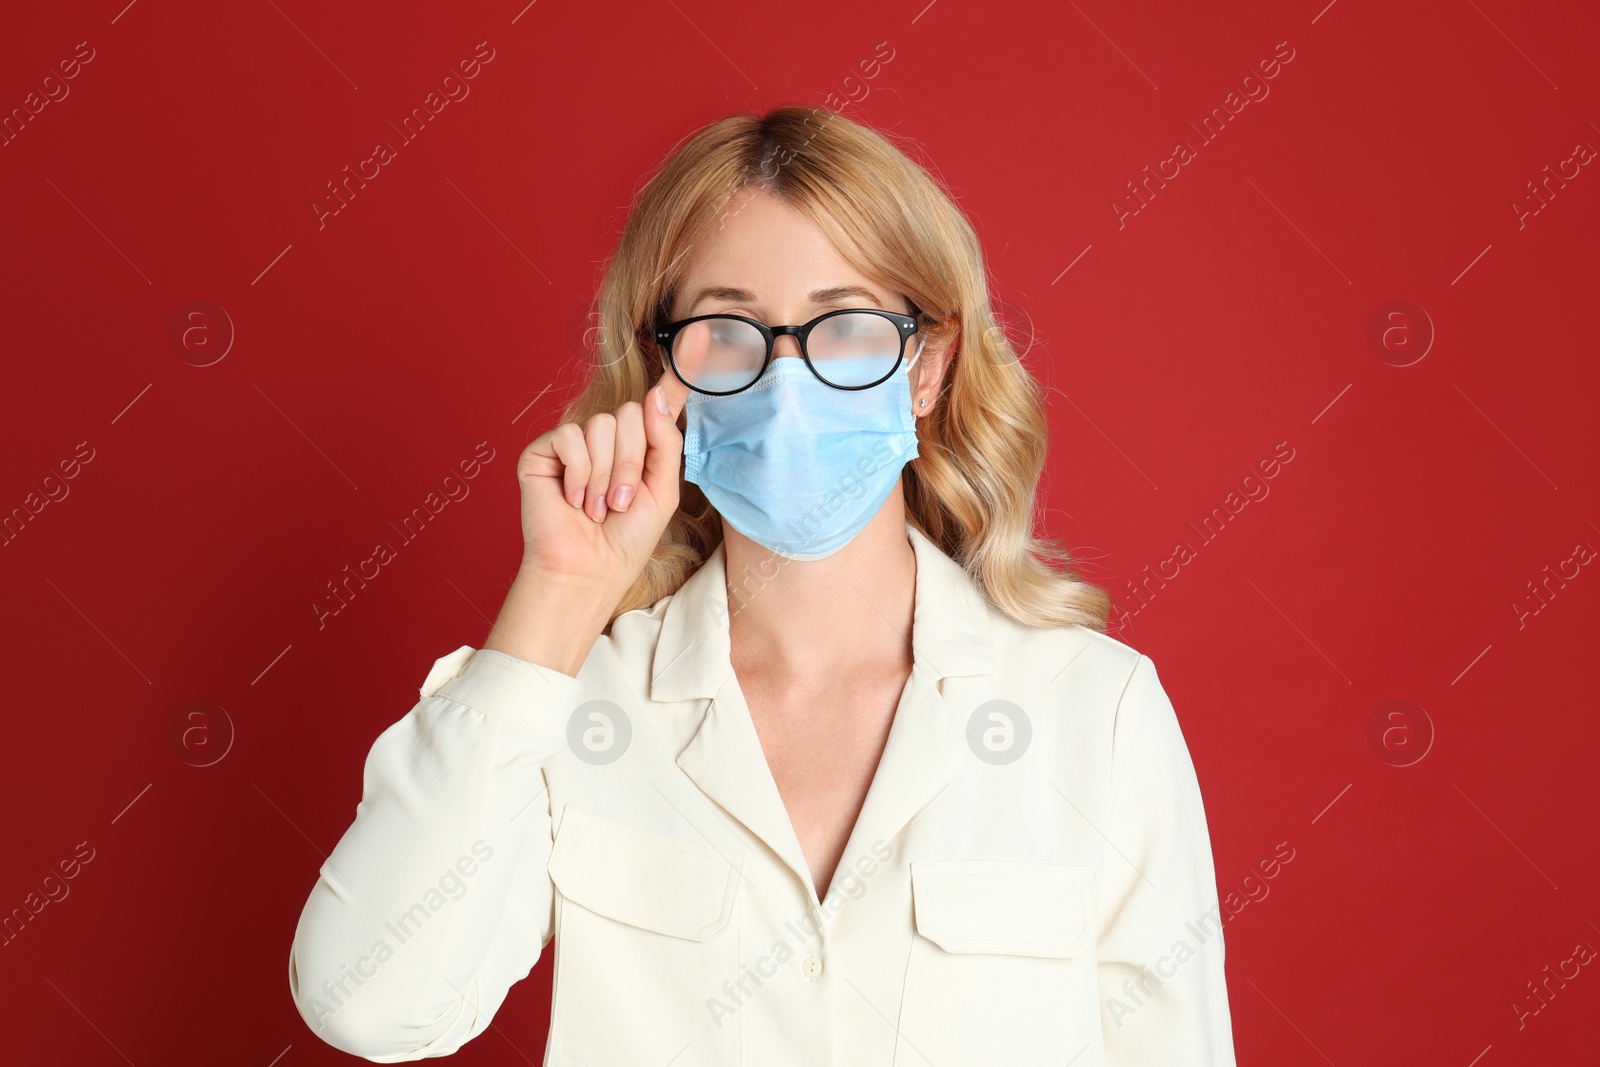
pixel 793 463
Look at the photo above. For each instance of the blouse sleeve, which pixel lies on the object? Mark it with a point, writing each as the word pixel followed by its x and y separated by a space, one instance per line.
pixel 437 898
pixel 1163 993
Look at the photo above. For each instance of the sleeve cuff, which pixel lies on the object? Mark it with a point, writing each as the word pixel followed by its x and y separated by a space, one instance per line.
pixel 504 687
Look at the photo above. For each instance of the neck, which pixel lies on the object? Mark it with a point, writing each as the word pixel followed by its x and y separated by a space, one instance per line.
pixel 817 619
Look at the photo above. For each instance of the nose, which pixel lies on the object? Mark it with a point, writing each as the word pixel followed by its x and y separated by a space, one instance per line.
pixel 787 345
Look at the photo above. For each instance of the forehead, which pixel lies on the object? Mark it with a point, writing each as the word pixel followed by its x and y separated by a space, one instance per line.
pixel 773 253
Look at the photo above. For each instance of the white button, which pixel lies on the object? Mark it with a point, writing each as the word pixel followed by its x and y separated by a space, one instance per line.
pixel 811 967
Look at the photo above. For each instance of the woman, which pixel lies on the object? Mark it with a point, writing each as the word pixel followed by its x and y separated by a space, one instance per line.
pixel 786 735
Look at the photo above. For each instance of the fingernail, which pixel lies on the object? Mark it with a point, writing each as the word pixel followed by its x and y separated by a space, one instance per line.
pixel 577 501
pixel 661 400
pixel 600 507
pixel 624 494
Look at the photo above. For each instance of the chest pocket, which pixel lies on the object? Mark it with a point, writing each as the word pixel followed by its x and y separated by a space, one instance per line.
pixel 1001 906
pixel 1002 969
pixel 671 885
pixel 646 919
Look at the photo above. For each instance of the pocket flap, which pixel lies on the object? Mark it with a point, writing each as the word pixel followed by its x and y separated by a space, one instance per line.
pixel 671 885
pixel 1004 906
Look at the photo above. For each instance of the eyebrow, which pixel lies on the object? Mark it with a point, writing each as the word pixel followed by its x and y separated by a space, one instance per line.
pixel 837 294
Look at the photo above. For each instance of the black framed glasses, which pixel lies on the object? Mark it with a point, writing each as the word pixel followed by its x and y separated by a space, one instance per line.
pixel 719 355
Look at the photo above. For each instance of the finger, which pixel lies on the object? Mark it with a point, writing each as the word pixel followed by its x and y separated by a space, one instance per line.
pixel 539 458
pixel 627 462
pixel 566 442
pixel 599 433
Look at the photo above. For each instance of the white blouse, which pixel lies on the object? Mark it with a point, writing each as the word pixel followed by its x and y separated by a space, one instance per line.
pixel 1029 882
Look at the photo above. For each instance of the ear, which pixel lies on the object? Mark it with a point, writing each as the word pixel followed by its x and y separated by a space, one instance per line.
pixel 931 371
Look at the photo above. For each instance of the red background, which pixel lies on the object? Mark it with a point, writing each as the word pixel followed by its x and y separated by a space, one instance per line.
pixel 443 307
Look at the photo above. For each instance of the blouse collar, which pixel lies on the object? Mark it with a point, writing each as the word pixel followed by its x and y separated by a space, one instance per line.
pixel 952 633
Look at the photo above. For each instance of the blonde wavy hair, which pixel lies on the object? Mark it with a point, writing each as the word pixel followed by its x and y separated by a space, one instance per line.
pixel 971 489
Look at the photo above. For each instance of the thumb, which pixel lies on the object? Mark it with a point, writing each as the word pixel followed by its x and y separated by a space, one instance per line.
pixel 663 459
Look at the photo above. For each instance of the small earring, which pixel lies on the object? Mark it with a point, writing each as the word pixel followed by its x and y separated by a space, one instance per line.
pixel 924 402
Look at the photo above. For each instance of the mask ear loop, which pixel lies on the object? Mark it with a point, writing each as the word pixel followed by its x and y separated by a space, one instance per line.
pixel 921 340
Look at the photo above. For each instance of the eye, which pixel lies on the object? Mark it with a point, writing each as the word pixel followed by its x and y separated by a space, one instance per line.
pixel 848 325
